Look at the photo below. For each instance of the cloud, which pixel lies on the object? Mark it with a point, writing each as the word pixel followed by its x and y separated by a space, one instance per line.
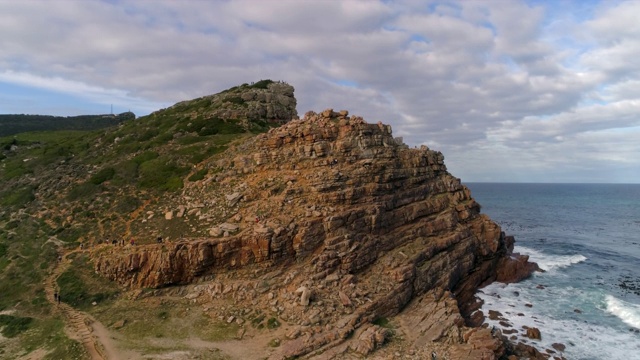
pixel 489 83
pixel 80 90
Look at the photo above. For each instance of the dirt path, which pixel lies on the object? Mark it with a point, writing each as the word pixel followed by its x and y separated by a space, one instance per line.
pixel 81 325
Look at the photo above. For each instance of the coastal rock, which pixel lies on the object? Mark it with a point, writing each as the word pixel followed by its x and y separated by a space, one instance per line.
pixel 336 210
pixel 533 333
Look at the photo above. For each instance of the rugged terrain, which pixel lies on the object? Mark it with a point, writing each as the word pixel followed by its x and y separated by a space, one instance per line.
pixel 267 236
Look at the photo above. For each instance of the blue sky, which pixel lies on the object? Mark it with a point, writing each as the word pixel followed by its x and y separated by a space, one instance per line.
pixel 526 91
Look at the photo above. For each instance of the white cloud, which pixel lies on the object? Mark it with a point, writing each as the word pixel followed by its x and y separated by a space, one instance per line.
pixel 490 83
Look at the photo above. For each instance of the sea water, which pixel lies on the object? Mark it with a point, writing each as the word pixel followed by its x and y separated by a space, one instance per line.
pixel 587 239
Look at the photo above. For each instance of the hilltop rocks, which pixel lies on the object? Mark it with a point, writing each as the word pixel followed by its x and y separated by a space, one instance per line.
pixel 264 100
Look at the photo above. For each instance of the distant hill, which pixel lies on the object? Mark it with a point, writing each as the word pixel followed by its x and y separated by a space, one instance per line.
pixel 18 123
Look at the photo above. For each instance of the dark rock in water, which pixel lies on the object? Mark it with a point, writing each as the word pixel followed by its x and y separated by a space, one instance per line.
pixel 529 351
pixel 495 315
pixel 558 346
pixel 533 333
pixel 577 311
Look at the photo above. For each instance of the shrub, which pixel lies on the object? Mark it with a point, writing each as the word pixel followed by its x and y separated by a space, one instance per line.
pixel 18 197
pixel 127 204
pixel 14 325
pixel 199 175
pixel 148 135
pixel 145 156
pixel 161 174
pixel 128 171
pixel 235 100
pixel 262 84
pixel 273 323
pixel 82 191
pixel 103 175
pixel 78 289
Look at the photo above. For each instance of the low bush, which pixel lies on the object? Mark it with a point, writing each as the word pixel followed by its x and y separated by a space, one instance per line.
pixel 83 191
pixel 262 84
pixel 199 175
pixel 14 325
pixel 103 175
pixel 18 197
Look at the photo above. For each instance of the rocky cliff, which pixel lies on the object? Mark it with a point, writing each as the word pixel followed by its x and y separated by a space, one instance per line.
pixel 334 227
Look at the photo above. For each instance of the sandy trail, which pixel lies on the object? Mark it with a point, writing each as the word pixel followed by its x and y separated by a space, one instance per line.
pixel 93 335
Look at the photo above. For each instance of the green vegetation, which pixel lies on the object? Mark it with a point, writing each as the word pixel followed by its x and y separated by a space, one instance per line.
pixel 80 286
pixel 83 191
pixel 15 124
pixel 236 100
pixel 161 174
pixel 198 175
pixel 68 183
pixel 18 197
pixel 102 176
pixel 262 84
pixel 273 323
pixel 13 325
pixel 383 322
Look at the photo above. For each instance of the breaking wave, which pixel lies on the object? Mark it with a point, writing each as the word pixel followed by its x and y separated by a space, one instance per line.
pixel 627 312
pixel 549 262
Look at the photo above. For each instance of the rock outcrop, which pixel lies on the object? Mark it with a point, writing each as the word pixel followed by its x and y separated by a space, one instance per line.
pixel 357 226
pixel 265 100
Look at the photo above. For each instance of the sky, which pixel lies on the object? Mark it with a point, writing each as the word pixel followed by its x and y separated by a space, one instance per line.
pixel 508 91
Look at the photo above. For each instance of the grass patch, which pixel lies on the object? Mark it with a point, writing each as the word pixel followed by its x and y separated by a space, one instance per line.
pixel 383 322
pixel 103 175
pixel 161 174
pixel 199 175
pixel 273 323
pixel 18 197
pixel 3 249
pixel 127 204
pixel 83 191
pixel 262 84
pixel 12 326
pixel 79 286
pixel 172 319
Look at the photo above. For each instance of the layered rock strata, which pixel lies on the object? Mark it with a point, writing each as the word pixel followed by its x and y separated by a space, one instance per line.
pixel 361 228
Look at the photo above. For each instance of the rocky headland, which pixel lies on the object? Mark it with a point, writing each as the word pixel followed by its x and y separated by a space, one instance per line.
pixel 321 237
pixel 333 227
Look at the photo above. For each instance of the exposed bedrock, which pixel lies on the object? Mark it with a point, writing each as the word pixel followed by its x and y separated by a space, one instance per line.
pixel 356 206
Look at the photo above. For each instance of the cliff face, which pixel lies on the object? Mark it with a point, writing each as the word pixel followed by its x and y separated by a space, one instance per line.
pixel 355 227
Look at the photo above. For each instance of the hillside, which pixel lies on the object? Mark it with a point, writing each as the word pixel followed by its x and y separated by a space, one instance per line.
pixel 226 228
pixel 11 124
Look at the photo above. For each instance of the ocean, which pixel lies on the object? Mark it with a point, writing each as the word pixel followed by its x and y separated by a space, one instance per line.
pixel 587 239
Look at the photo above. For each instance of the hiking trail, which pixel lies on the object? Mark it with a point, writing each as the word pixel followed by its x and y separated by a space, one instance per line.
pixel 97 344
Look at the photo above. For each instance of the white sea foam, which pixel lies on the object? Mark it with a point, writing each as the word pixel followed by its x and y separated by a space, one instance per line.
pixel 550 262
pixel 627 312
pixel 524 305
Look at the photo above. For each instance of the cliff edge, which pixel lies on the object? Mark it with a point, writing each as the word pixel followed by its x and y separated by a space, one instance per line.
pixel 336 229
